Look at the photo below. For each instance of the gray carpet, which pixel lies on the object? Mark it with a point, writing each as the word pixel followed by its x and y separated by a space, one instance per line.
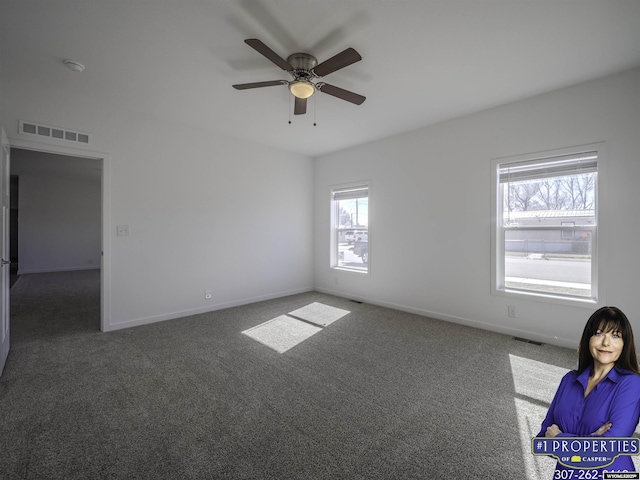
pixel 376 394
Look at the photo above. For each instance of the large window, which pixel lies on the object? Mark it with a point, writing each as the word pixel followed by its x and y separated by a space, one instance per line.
pixel 350 228
pixel 546 225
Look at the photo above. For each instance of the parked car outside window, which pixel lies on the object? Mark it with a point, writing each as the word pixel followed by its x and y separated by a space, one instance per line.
pixel 361 236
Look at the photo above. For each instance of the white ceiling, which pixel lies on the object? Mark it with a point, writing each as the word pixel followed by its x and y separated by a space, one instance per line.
pixel 424 61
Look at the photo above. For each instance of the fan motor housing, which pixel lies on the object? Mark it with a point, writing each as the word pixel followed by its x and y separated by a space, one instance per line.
pixel 302 62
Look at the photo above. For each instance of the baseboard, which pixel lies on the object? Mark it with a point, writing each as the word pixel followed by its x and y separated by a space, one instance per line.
pixel 53 270
pixel 560 342
pixel 197 311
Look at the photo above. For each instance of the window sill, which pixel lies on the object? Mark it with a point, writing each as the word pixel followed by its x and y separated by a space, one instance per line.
pixel 548 298
pixel 351 270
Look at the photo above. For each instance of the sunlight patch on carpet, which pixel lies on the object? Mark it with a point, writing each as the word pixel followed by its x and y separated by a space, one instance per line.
pixel 286 331
pixel 319 313
pixel 282 333
pixel 535 384
pixel 534 379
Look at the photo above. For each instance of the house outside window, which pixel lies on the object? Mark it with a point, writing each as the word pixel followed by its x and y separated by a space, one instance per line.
pixel 568 234
pixel 350 227
pixel 545 236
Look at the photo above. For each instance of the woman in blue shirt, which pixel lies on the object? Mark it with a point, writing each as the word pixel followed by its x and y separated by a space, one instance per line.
pixel 601 397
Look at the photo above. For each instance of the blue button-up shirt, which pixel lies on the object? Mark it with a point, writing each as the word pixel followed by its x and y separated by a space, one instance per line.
pixel 615 399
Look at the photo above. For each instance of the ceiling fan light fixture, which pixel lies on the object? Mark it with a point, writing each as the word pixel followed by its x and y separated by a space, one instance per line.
pixel 302 89
pixel 305 70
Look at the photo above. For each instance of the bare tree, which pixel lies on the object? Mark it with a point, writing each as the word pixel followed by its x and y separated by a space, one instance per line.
pixel 522 196
pixel 572 192
pixel 580 191
pixel 551 195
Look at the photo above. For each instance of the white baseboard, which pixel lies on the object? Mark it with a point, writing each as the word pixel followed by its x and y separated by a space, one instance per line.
pixel 560 342
pixel 196 311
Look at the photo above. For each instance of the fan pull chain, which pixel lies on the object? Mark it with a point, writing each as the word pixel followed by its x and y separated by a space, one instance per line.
pixel 289 107
pixel 315 108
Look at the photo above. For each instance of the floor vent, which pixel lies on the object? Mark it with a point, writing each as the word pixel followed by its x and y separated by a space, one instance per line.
pixel 525 340
pixel 57 133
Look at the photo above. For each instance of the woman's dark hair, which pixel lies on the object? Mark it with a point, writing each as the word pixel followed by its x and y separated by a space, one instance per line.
pixel 609 319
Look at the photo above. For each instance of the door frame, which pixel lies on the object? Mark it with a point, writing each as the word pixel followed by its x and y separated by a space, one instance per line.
pixel 105 264
pixel 5 282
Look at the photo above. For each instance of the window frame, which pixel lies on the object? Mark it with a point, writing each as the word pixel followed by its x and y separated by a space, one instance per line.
pixel 334 230
pixel 498 232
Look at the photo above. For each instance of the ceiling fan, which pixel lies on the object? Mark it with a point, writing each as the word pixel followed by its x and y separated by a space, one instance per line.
pixel 304 70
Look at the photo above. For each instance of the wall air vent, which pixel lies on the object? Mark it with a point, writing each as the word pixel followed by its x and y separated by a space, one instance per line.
pixel 57 133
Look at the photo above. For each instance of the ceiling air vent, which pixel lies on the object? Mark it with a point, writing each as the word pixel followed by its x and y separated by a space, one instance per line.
pixel 57 133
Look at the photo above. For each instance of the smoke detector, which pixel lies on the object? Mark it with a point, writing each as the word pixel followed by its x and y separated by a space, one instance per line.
pixel 73 65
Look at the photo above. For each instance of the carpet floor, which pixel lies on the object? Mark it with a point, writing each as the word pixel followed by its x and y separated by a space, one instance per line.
pixel 371 394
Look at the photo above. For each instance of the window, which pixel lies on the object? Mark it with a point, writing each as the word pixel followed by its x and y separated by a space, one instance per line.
pixel 545 234
pixel 350 228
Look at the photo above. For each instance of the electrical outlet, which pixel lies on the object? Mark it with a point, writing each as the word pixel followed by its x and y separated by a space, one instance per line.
pixel 511 311
pixel 207 294
pixel 123 231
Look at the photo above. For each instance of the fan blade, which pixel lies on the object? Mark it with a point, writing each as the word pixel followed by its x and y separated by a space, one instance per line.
pixel 341 93
pixel 270 54
pixel 300 107
pixel 271 83
pixel 341 60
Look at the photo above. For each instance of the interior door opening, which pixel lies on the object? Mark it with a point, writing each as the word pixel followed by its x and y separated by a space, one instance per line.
pixel 57 209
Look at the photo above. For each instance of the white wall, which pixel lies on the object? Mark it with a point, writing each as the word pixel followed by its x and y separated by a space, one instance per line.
pixel 206 211
pixel 432 185
pixel 60 224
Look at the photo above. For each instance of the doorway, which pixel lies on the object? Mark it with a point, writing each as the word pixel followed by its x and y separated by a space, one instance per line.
pixel 13 228
pixel 60 213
